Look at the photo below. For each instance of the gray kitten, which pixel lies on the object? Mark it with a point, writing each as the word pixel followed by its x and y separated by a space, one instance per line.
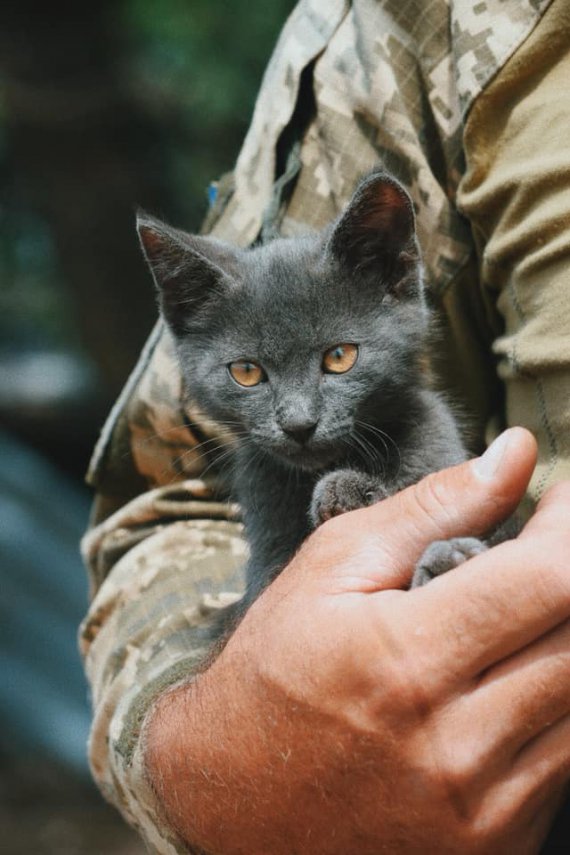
pixel 312 349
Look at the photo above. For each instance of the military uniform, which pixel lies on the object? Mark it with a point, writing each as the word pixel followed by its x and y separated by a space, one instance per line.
pixel 467 104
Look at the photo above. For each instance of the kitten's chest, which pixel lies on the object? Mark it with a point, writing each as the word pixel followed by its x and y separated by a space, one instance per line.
pixel 274 494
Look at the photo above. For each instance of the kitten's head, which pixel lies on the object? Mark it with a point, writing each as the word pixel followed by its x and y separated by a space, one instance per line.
pixel 298 343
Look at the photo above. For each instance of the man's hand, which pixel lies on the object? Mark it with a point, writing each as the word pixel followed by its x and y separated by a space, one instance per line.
pixel 349 716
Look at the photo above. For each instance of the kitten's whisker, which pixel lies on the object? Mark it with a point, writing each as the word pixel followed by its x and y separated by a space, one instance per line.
pixel 183 426
pixel 191 451
pixel 223 442
pixel 207 453
pixel 377 430
pixel 226 456
pixel 359 449
pixel 258 453
pixel 367 451
pixel 383 460
pixel 383 436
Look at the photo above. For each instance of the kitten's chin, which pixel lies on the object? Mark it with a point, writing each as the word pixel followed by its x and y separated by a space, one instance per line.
pixel 308 459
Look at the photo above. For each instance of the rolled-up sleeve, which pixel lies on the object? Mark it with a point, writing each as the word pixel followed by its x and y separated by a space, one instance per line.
pixel 146 630
pixel 516 193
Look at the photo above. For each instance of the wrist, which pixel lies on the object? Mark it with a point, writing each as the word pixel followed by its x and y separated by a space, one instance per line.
pixel 224 755
pixel 200 746
pixel 179 734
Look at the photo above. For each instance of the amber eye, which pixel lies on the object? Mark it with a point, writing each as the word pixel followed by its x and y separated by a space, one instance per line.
pixel 246 373
pixel 340 358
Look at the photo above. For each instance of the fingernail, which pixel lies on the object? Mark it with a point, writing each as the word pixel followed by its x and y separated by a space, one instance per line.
pixel 489 463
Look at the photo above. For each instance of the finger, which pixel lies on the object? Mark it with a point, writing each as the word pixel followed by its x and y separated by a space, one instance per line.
pixel 525 694
pixel 498 602
pixel 542 767
pixel 521 816
pixel 465 500
pixel 468 499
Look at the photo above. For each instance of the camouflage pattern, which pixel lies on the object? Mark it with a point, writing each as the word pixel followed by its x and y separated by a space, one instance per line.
pixel 142 636
pixel 393 83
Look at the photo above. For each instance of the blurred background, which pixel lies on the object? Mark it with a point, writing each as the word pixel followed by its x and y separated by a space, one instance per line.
pixel 103 107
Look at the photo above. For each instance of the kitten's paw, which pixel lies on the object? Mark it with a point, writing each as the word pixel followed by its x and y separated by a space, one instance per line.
pixel 444 555
pixel 342 491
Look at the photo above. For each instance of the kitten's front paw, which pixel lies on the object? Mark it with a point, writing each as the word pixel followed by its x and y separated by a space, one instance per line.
pixel 444 555
pixel 342 491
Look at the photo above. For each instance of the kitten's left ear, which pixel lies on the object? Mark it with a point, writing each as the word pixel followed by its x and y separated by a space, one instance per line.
pixel 377 227
pixel 188 270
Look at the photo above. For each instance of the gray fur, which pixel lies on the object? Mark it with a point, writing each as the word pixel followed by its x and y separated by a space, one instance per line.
pixel 443 555
pixel 368 432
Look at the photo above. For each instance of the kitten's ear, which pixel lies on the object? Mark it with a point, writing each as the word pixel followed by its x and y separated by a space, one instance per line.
pixel 188 270
pixel 378 226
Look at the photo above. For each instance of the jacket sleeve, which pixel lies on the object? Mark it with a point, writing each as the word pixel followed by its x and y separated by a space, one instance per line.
pixel 164 552
pixel 516 194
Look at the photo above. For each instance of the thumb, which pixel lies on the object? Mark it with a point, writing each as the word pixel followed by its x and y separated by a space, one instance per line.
pixel 465 500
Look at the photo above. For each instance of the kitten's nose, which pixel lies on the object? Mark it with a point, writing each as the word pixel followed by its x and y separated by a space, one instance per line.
pixel 301 432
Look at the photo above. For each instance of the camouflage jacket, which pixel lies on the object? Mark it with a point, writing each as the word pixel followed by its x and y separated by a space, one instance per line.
pixel 441 92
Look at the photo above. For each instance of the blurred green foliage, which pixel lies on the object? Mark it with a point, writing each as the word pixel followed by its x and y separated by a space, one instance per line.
pixel 33 310
pixel 193 67
pixel 197 66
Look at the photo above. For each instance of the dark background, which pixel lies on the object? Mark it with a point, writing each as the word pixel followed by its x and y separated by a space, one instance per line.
pixel 104 106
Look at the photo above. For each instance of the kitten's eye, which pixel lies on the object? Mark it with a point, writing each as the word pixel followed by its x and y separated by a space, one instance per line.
pixel 246 373
pixel 340 358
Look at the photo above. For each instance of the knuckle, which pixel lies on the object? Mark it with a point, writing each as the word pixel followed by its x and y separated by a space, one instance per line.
pixel 432 499
pixel 410 697
pixel 458 778
pixel 459 769
pixel 481 833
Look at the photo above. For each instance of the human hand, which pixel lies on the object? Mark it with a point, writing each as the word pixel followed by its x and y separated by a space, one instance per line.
pixel 349 715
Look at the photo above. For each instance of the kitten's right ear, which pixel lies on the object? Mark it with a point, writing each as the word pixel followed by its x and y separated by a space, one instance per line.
pixel 377 229
pixel 186 268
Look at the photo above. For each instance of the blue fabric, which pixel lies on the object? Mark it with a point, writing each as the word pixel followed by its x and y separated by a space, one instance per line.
pixel 212 193
pixel 43 593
